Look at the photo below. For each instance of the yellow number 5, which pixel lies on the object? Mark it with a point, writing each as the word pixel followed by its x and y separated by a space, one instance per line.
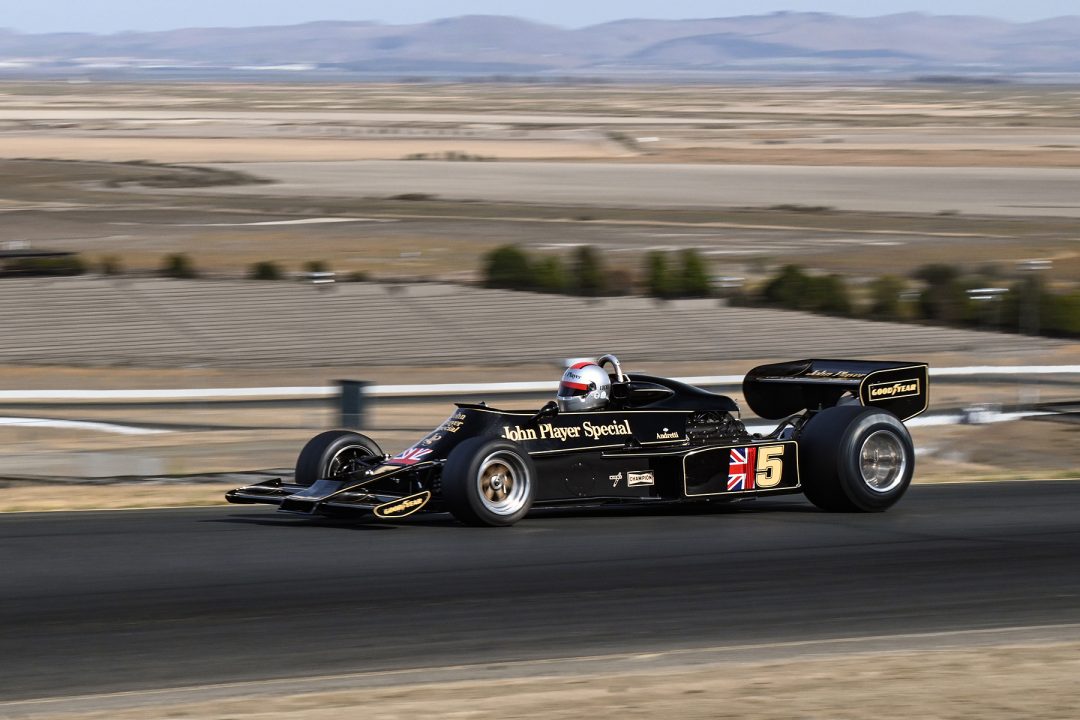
pixel 770 466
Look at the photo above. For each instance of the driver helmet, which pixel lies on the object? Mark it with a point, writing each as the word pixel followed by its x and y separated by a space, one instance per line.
pixel 584 386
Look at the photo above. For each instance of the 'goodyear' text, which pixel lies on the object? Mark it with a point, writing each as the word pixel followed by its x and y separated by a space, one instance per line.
pixel 900 388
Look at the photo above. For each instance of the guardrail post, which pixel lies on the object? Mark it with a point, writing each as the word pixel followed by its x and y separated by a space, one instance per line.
pixel 353 403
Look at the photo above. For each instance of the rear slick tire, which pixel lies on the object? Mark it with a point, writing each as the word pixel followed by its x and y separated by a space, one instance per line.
pixel 488 481
pixel 855 459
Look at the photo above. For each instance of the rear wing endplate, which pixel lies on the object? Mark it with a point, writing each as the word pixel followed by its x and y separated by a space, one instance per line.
pixel 778 390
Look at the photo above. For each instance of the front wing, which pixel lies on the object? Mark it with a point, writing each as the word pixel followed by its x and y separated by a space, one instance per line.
pixel 330 497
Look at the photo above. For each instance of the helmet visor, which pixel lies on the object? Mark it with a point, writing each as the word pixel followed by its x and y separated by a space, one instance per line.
pixel 569 389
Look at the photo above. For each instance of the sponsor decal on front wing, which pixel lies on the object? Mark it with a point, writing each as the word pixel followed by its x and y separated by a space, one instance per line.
pixel 404 506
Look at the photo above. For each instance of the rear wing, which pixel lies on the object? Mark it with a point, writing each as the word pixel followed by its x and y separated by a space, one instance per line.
pixel 781 389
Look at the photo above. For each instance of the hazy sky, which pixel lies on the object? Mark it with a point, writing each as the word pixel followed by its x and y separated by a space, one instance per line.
pixel 104 16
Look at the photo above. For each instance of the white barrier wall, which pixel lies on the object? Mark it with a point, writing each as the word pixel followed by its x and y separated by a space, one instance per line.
pixel 407 391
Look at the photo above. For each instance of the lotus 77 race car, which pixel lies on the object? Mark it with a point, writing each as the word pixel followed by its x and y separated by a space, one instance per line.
pixel 631 438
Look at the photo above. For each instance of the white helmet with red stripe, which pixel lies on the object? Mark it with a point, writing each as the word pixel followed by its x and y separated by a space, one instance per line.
pixel 584 386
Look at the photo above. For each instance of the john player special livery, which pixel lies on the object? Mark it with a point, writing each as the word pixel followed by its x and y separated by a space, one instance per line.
pixel 631 438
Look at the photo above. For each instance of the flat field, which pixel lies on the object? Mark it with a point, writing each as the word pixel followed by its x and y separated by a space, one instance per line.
pixel 416 181
pixel 905 124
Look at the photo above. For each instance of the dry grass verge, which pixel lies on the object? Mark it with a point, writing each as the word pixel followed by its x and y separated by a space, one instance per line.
pixel 985 683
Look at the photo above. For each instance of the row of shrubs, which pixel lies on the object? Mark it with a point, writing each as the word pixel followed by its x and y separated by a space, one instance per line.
pixel 933 293
pixel 451 156
pixel 270 270
pixel 585 273
pixel 61 265
pixel 179 266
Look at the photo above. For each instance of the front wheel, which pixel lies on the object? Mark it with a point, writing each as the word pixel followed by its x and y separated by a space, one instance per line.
pixel 488 481
pixel 855 459
pixel 334 454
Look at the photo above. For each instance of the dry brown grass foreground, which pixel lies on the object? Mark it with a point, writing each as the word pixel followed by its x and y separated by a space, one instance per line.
pixel 1004 681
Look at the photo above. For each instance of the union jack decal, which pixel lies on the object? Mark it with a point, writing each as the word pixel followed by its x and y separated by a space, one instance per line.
pixel 411 456
pixel 742 466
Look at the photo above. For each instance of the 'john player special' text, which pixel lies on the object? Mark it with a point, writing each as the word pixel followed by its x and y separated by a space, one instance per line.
pixel 548 431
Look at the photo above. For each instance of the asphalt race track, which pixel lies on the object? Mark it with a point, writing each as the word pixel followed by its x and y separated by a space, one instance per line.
pixel 111 601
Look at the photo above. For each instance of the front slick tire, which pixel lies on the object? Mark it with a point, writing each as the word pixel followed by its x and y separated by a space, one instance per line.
pixel 855 459
pixel 488 481
pixel 334 454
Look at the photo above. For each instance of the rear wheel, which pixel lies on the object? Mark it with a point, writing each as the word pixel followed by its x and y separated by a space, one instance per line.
pixel 334 454
pixel 855 459
pixel 488 481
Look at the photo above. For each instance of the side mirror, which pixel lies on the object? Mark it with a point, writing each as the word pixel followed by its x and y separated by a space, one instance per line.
pixel 550 410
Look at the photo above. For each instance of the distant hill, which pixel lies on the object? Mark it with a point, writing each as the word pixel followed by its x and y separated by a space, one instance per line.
pixel 908 43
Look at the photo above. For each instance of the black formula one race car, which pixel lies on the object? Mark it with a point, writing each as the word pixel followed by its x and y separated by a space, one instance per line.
pixel 631 439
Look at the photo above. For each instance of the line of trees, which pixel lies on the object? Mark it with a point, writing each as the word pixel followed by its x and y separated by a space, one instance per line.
pixel 795 289
pixel 511 268
pixel 937 293
pixel 585 273
pixel 178 266
pixel 688 276
pixel 60 265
